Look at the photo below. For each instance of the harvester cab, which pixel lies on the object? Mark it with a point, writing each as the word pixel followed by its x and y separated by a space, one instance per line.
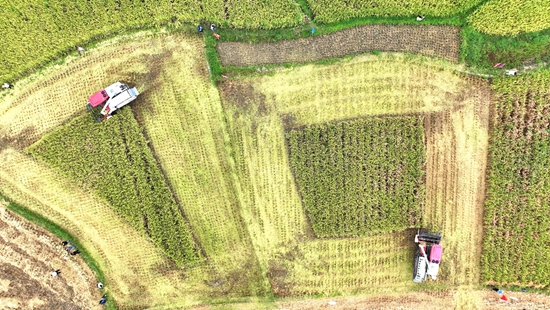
pixel 112 98
pixel 428 255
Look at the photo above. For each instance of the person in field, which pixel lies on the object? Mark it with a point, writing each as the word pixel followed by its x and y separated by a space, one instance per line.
pixel 217 36
pixel 80 49
pixel 7 85
pixel 103 300
pixel 55 273
pixel 199 28
pixel 213 27
pixel 420 18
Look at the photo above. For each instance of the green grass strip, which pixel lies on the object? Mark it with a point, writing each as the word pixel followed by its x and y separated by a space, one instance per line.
pixel 60 233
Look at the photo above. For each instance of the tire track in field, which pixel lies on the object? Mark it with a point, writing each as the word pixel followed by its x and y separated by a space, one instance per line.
pixel 438 41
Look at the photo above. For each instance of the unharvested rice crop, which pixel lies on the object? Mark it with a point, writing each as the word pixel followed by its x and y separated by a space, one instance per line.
pixel 516 223
pixel 327 11
pixel 511 17
pixel 362 176
pixel 113 160
pixel 36 31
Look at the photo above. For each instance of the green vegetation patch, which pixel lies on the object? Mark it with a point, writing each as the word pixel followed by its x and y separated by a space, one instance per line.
pixel 511 17
pixel 328 11
pixel 518 198
pixel 484 50
pixel 112 159
pixel 360 176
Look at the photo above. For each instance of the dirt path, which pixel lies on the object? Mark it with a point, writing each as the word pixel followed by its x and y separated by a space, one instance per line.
pixel 28 255
pixel 441 41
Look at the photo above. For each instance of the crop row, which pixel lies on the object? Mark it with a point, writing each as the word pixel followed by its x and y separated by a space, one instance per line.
pixel 517 206
pixel 328 11
pixel 112 160
pixel 360 176
pixel 511 17
pixel 35 31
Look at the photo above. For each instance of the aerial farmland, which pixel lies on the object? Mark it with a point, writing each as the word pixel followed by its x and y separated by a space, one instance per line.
pixel 275 154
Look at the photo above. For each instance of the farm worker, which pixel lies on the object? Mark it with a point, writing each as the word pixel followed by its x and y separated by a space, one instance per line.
pixel 199 28
pixel 217 36
pixel 72 247
pixel 7 85
pixel 75 252
pixel 80 49
pixel 420 18
pixel 100 285
pixel 512 72
pixel 103 300
pixel 312 30
pixel 503 298
pixel 64 243
pixel 55 273
pixel 212 27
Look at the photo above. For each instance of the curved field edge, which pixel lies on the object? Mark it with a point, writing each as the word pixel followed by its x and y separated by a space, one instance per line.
pixel 112 159
pixel 36 32
pixel 62 234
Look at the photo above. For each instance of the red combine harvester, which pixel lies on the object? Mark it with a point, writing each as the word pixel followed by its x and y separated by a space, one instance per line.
pixel 112 98
pixel 428 246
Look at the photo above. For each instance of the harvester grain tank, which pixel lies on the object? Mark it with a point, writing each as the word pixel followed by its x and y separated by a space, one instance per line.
pixel 428 256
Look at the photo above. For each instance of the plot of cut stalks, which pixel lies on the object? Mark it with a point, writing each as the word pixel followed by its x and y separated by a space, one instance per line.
pixel 342 266
pixel 457 142
pixel 365 85
pixel 29 255
pixel 300 94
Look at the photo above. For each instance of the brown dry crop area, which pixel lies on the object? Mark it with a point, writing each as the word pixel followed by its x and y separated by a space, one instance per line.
pixel 28 256
pixel 440 41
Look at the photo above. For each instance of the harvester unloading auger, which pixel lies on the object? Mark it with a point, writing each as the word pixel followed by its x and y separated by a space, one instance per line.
pixel 428 246
pixel 112 98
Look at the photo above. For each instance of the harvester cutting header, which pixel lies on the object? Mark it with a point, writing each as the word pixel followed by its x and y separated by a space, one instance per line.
pixel 428 246
pixel 112 98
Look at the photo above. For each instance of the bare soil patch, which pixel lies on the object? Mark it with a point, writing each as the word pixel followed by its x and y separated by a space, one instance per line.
pixel 439 41
pixel 28 256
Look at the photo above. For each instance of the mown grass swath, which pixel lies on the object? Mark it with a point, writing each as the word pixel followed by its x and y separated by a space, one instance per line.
pixel 517 205
pixel 327 11
pixel 112 159
pixel 361 176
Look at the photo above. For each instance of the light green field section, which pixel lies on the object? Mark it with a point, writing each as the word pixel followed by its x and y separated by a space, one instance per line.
pixel 364 85
pixel 511 17
pixel 344 266
pixel 327 11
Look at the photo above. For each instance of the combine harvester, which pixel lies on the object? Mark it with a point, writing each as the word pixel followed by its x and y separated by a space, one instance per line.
pixel 428 246
pixel 112 98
